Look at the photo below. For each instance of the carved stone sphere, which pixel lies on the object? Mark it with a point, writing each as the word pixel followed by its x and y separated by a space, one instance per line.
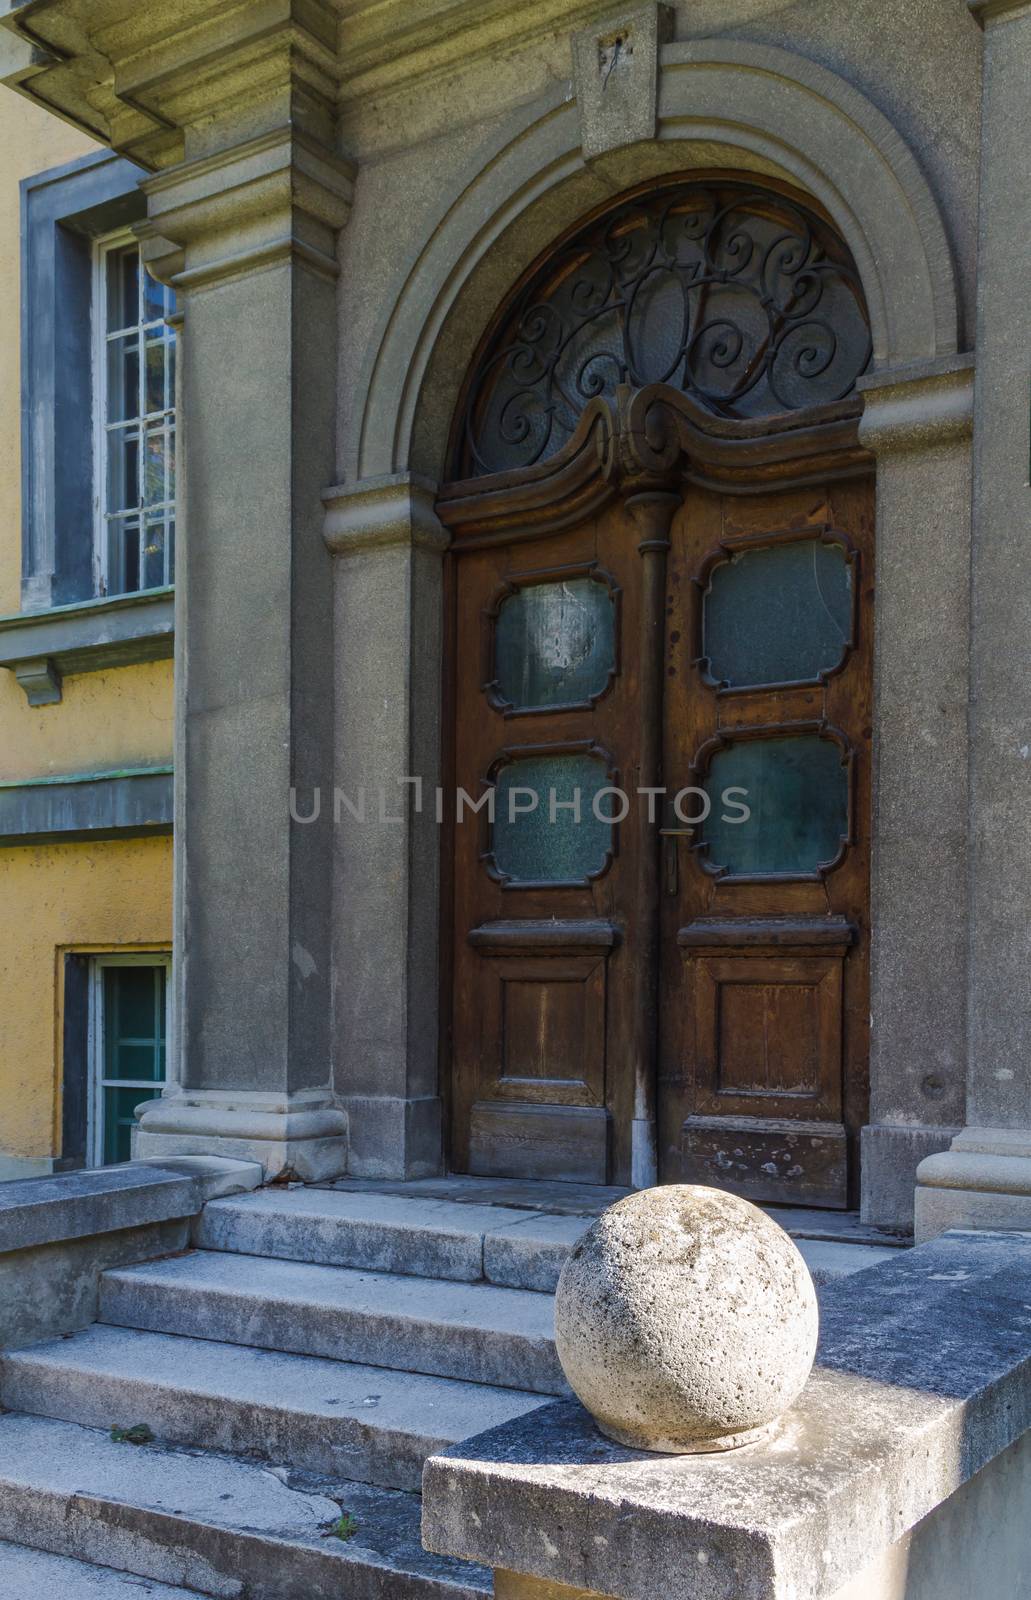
pixel 685 1320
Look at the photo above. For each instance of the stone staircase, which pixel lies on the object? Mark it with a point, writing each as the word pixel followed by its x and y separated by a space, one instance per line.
pixel 296 1368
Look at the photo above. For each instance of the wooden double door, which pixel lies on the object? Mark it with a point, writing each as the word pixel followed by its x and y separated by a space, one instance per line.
pixel 668 985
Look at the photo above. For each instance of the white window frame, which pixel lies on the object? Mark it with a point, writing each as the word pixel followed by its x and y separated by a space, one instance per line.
pixel 104 246
pixel 97 1056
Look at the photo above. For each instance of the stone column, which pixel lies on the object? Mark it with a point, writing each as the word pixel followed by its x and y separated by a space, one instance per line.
pixel 984 1180
pixel 917 420
pixel 245 230
pixel 388 546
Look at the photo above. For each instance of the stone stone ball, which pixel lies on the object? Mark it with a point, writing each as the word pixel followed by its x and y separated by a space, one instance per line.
pixel 685 1320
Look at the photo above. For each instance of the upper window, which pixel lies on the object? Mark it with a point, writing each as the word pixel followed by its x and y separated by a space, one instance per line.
pixel 134 412
pixel 97 439
pixel 741 298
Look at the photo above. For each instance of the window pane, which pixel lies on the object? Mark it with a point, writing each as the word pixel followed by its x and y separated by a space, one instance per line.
pixel 154 559
pixel 123 555
pixel 123 469
pixel 123 288
pixel 155 398
pixel 153 298
pixel 797 792
pixel 531 848
pixel 779 614
pixel 155 484
pixel 138 465
pixel 555 643
pixel 123 379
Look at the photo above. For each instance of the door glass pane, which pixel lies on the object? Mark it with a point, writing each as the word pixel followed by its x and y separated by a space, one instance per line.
pixel 544 833
pixel 119 1118
pixel 555 643
pixel 134 1018
pixel 780 614
pixel 796 790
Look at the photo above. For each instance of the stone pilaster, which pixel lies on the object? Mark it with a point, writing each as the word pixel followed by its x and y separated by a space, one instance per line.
pixel 388 546
pixel 245 230
pixel 917 421
pixel 984 1180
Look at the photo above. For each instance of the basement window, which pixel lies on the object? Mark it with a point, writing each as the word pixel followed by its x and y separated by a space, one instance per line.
pixel 129 1005
pixel 134 414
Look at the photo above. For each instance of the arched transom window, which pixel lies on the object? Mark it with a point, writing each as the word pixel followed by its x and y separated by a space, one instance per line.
pixel 745 300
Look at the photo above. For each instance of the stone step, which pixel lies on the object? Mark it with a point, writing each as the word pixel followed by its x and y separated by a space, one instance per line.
pixel 472 1331
pixel 330 1417
pixel 213 1524
pixel 437 1238
pixel 511 1247
pixel 26 1574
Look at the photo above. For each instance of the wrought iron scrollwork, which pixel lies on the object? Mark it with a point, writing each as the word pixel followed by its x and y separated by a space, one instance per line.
pixel 742 299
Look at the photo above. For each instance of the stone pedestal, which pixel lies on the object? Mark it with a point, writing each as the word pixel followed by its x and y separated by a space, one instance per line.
pixel 984 1179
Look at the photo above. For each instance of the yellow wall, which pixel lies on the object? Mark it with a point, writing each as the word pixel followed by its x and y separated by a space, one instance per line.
pixel 121 718
pixel 110 895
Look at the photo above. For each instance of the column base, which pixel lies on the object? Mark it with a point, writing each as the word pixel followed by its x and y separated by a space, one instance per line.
pixel 302 1136
pixel 983 1181
pixel 391 1137
pixel 891 1154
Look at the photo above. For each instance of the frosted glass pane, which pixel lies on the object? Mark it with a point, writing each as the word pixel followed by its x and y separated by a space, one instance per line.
pixel 555 643
pixel 529 846
pixel 780 614
pixel 797 792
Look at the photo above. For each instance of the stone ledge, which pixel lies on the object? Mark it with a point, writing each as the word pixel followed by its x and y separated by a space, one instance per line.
pixel 79 1205
pixel 132 803
pixel 920 1382
pixel 43 647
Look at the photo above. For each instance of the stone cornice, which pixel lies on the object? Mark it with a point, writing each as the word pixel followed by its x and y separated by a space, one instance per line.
pixel 987 11
pixel 390 44
pixel 918 406
pixel 138 77
pixel 282 192
pixel 379 512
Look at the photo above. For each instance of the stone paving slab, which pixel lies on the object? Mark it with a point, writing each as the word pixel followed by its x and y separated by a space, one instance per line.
pixel 208 1522
pixel 29 1574
pixel 375 1232
pixel 332 1417
pixel 472 1331
pixel 590 1200
pixel 382 1231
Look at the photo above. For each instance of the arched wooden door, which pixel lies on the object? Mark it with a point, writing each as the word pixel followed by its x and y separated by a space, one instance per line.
pixel 661 592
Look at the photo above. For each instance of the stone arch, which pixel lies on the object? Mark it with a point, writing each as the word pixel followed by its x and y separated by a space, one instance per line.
pixel 723 104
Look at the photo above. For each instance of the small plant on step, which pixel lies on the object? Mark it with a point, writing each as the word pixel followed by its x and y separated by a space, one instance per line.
pixel 345 1527
pixel 139 1433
